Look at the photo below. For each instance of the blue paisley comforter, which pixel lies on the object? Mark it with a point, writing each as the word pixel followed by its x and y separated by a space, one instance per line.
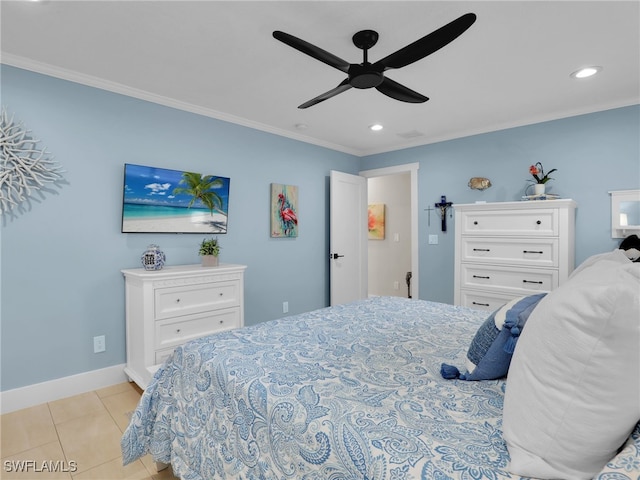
pixel 346 392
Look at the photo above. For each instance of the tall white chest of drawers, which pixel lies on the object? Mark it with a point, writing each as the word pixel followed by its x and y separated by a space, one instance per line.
pixel 504 250
pixel 168 307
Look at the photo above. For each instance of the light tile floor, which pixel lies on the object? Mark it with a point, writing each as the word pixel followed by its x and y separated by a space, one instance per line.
pixel 74 438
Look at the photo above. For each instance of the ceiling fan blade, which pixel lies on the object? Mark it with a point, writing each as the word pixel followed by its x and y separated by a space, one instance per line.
pixel 428 44
pixel 343 87
pixel 400 92
pixel 313 51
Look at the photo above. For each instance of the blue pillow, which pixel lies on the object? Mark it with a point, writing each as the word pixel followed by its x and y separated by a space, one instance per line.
pixel 492 347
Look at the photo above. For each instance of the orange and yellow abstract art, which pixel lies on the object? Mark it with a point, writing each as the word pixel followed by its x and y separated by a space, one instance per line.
pixel 376 221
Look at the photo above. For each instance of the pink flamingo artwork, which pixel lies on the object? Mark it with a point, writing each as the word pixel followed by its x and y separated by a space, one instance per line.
pixel 284 217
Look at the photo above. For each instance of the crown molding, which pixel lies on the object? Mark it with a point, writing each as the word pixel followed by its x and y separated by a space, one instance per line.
pixel 114 87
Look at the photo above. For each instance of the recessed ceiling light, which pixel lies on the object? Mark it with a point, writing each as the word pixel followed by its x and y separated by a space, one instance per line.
pixel 376 127
pixel 586 72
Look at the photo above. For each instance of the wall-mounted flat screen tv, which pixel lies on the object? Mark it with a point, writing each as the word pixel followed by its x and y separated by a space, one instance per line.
pixel 157 200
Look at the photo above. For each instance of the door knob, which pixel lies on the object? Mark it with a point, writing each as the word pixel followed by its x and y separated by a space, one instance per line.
pixel 335 255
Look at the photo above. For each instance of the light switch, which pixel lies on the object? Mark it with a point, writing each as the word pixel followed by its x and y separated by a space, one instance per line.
pixel 433 239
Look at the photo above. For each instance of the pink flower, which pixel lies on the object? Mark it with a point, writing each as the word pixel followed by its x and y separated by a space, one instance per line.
pixel 538 173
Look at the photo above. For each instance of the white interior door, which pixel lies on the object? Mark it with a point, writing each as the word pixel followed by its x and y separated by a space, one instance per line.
pixel 348 237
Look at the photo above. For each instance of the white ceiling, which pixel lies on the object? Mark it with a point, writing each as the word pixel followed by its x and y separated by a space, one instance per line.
pixel 219 59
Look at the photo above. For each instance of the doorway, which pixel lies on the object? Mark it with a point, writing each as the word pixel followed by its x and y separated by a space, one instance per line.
pixel 393 260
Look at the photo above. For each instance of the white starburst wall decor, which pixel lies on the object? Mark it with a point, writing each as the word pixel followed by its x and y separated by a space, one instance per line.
pixel 24 167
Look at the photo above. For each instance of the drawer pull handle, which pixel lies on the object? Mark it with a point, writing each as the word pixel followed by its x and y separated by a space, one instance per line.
pixel 486 278
pixel 475 223
pixel 177 330
pixel 538 222
pixel 177 300
pixel 221 294
pixel 481 304
pixel 221 322
pixel 532 251
pixel 531 281
pixel 481 249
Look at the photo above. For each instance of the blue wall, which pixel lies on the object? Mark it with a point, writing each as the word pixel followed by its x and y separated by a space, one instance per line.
pixel 593 153
pixel 61 257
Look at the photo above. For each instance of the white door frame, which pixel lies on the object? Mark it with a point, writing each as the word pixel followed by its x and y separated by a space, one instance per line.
pixel 411 168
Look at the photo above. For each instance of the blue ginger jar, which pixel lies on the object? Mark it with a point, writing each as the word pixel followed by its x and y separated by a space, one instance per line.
pixel 153 258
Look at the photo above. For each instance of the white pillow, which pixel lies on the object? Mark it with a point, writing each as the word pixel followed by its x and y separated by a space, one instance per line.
pixel 573 388
pixel 617 256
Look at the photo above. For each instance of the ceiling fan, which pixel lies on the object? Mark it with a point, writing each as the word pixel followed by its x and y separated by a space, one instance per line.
pixel 368 75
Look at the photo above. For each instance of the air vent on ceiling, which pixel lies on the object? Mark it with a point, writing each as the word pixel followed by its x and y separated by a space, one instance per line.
pixel 411 134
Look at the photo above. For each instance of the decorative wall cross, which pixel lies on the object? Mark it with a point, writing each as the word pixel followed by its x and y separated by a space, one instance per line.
pixel 429 210
pixel 443 206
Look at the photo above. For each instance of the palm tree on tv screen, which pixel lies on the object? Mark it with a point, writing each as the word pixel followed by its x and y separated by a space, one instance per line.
pixel 201 188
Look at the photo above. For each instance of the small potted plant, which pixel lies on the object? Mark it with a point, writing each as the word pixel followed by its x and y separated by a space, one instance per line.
pixel 541 178
pixel 209 251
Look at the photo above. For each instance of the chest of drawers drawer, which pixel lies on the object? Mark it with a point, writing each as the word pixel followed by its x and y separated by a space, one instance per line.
pixel 172 332
pixel 540 252
pixel 512 279
pixel 185 300
pixel 531 223
pixel 489 301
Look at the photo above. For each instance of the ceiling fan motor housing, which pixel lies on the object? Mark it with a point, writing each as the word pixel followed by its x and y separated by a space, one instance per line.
pixel 364 76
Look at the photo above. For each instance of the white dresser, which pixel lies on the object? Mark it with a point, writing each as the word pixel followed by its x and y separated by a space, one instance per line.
pixel 168 307
pixel 504 250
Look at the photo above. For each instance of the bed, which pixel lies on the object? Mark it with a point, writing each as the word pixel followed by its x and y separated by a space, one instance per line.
pixel 346 392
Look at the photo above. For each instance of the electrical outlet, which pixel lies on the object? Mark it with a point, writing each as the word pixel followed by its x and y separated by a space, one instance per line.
pixel 396 285
pixel 99 344
pixel 285 307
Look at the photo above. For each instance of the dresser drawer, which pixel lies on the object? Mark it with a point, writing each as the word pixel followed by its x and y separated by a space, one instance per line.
pixel 509 279
pixel 162 355
pixel 172 332
pixel 185 300
pixel 537 223
pixel 541 252
pixel 484 300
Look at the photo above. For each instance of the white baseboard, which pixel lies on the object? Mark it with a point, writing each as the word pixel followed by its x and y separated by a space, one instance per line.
pixel 31 395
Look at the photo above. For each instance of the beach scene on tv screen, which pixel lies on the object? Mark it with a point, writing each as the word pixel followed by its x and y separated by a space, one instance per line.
pixel 173 201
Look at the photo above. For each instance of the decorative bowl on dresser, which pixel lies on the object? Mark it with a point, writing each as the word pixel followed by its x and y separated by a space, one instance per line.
pixel 504 250
pixel 168 307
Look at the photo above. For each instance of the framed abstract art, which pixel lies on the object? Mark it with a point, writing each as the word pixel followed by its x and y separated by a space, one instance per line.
pixel 376 221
